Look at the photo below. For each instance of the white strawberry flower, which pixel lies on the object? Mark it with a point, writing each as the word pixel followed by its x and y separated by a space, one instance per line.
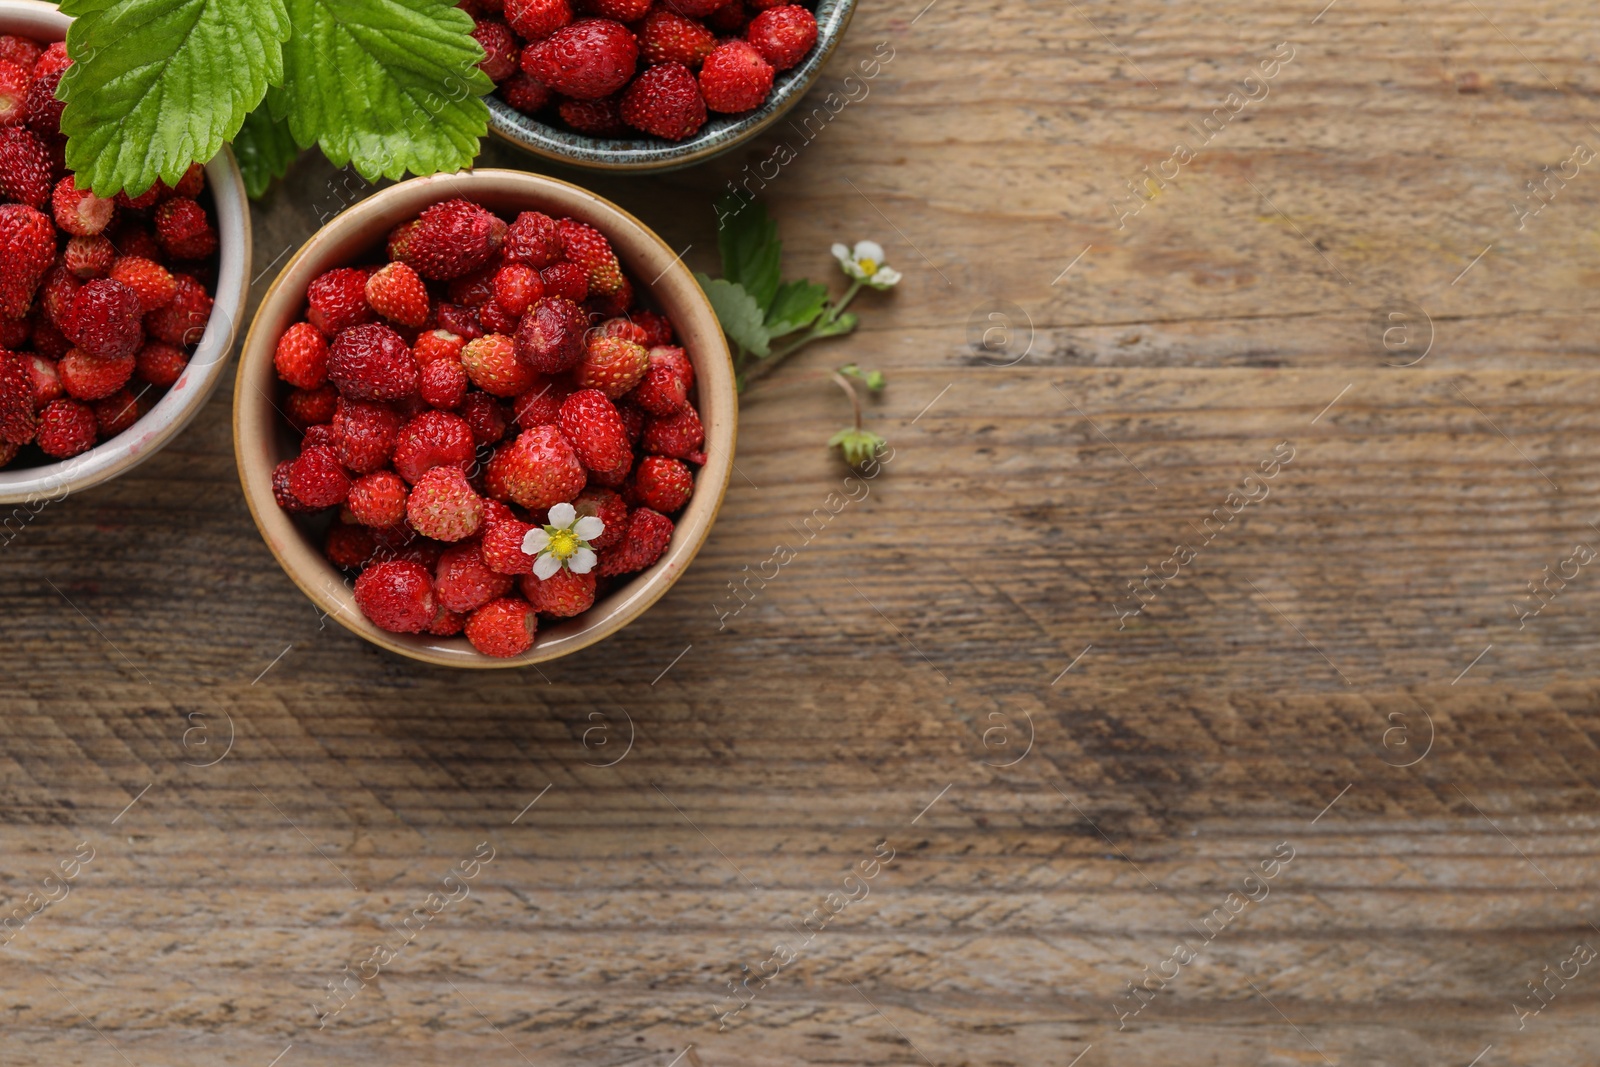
pixel 564 542
pixel 865 264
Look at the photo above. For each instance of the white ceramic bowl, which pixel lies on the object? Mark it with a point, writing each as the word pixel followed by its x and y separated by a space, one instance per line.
pixel 120 454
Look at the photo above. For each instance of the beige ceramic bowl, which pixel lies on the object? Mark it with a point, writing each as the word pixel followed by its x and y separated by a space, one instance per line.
pixel 262 438
pixel 189 394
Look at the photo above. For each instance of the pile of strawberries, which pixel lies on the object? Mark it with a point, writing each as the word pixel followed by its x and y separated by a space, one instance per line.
pixel 101 300
pixel 450 398
pixel 654 66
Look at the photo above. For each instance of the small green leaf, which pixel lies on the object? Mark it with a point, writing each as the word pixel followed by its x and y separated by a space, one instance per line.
pixel 388 85
pixel 158 85
pixel 748 241
pixel 739 314
pixel 264 148
pixel 796 306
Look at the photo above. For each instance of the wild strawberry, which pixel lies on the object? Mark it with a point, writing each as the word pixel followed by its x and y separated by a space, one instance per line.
pixel 371 362
pixel 633 417
pixel 503 628
pixel 516 287
pixel 443 506
pixel 566 280
pixel 499 48
pixel 597 118
pixel 492 365
pixel 664 390
pixel 447 623
pixel 44 110
pixel 17 421
pixel 613 304
pixel 118 412
pixel 337 300
pixel 587 60
pixel 679 436
pixel 461 321
pixel 533 240
pixel 588 248
pixel 183 229
pixel 152 283
pixel 735 78
pixel 648 534
pixel 49 341
pixel 45 381
pixel 444 384
pixel 534 20
pixel 144 201
pixel 783 35
pixel 22 51
pixel 322 436
pixel 89 257
pixel 657 328
pixel 396 293
pixel 591 425
pixel 661 484
pixel 86 376
pixel 562 595
pixel 27 248
pixel 472 290
pixel 433 439
pixel 104 320
pixel 665 101
pixel 464 582
pixel 301 358
pixel 495 511
pixel 14 333
pixel 280 490
pixel 502 546
pixel 160 364
pixel 550 337
pixel 608 506
pixel 611 365
pixel 729 19
pixel 540 405
pixel 310 407
pixel 447 240
pixel 378 499
pixel 527 94
pixel 666 37
pixel 536 470
pixel 397 595
pixel 693 9
pixel 623 327
pixel 25 167
pixel 619 10
pixel 66 428
pixel 78 211
pixel 349 546
pixel 437 344
pixel 183 321
pixel 486 416
pixel 193 182
pixel 367 433
pixel 318 479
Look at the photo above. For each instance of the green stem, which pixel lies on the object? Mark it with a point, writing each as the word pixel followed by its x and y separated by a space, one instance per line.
pixel 855 397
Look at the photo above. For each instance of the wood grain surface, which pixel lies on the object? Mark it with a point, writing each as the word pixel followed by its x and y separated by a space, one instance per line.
pixel 1342 666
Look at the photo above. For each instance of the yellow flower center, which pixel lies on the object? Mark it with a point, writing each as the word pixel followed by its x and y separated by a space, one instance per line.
pixel 870 266
pixel 563 543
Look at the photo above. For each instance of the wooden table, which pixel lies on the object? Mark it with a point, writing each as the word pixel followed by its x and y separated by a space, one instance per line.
pixel 1341 666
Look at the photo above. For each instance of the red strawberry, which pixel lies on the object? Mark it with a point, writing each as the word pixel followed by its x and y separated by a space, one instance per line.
pixel 463 581
pixel 152 283
pixel 397 595
pixel 783 35
pixel 104 320
pixel 183 321
pixel 318 479
pixel 694 9
pixel 56 294
pixel 619 10
pixel 729 19
pixel 516 287
pixel 45 381
pixel 611 365
pixel 492 365
pixel 550 338
pixel 118 412
pixel 44 110
pixel 588 248
pixel 437 344
pixel 396 293
pixel 536 470
pixel 502 546
pixel 372 362
pixel 337 300
pixel 280 490
pixel 590 423
pixel 66 428
pixel 661 484
pixel 378 499
pixel 443 506
pixel 562 595
pixel 735 78
pixel 89 257
pixel 193 182
pixel 447 623
pixel 587 60
pixel 647 537
pixel 625 328
pixel 534 20
pixel 679 436
pixel 540 405
pixel 322 436
pixel 657 327
pixel 633 418
pixel 444 384
pixel 301 358
pixel 17 421
pixel 25 167
pixel 597 118
pixel 664 390
pixel 160 364
pixel 461 321
pixel 448 240
pixel 20 50
pixel 533 240
pixel 144 201
pixel 485 415
pixel 528 95
pixel 503 628
pixel 183 229
pixel 496 512
pixel 665 101
pixel 473 290
pixel 78 211
pixel 499 47
pixel 27 248
pixel 669 38
pixel 89 377
pixel 311 407
pixel 367 432
pixel 608 506
pixel 433 439
pixel 566 280
pixel 349 546
pixel 613 304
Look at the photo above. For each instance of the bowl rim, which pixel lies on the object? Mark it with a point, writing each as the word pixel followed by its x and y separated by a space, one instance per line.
pixel 640 156
pixel 714 374
pixel 205 371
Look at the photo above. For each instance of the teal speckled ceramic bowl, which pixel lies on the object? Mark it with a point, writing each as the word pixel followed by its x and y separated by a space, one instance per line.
pixel 721 133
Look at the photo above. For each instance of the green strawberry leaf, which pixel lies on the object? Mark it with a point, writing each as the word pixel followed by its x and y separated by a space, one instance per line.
pixel 795 307
pixel 748 241
pixel 739 314
pixel 160 84
pixel 388 85
pixel 264 148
